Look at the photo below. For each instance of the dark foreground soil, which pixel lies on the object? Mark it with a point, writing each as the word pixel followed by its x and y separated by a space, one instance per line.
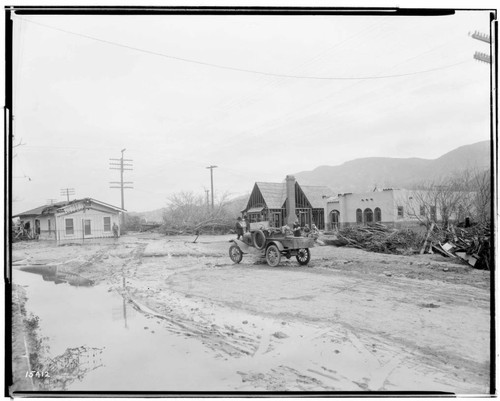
pixel 350 321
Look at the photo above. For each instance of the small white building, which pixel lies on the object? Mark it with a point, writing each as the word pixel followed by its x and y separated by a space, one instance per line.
pixel 74 220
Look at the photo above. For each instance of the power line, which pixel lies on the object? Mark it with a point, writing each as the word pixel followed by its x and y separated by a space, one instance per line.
pixel 225 67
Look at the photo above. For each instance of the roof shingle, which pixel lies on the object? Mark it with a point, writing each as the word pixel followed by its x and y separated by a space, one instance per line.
pixel 274 194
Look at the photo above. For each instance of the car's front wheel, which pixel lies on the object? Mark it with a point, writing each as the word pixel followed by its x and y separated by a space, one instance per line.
pixel 273 256
pixel 235 253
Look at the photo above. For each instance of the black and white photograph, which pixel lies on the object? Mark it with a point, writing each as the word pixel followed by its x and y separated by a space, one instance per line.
pixel 250 201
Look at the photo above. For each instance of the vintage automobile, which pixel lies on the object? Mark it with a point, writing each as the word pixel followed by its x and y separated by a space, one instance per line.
pixel 272 243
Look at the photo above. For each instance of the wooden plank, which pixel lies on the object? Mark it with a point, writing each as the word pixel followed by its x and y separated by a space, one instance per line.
pixel 426 239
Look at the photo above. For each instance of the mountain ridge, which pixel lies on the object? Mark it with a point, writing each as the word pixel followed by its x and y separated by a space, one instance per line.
pixel 364 174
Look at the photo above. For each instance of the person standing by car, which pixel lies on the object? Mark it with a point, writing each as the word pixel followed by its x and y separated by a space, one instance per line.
pixel 296 229
pixel 246 224
pixel 239 228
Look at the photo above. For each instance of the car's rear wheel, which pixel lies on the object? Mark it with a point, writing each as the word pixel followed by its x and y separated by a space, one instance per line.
pixel 303 256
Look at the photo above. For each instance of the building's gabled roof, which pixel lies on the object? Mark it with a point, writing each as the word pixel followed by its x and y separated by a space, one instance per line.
pixel 274 194
pixel 51 209
pixel 119 209
pixel 316 195
pixel 33 212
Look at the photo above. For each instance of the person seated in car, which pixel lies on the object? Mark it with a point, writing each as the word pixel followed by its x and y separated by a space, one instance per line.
pixel 297 231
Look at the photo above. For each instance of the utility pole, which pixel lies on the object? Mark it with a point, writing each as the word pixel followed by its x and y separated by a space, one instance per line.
pixel 67 192
pixel 208 204
pixel 122 165
pixel 212 182
pixel 480 56
pixel 51 201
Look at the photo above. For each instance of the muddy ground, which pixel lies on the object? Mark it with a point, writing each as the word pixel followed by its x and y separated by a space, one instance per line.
pixel 350 321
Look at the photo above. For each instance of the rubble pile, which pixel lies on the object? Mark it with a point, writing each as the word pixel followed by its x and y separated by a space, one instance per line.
pixel 379 238
pixel 471 244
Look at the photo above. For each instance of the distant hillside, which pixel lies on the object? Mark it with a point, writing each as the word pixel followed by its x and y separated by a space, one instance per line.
pixel 153 216
pixel 364 174
pixel 236 205
pixel 233 207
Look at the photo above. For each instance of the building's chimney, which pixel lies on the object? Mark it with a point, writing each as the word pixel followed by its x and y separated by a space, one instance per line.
pixel 290 200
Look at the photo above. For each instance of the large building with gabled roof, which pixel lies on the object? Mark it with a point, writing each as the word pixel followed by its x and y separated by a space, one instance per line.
pixel 282 203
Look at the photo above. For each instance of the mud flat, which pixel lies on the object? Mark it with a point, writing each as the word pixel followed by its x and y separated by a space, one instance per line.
pixel 188 319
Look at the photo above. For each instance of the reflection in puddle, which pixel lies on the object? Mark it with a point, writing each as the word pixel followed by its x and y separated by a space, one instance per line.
pixel 128 350
pixel 72 365
pixel 51 273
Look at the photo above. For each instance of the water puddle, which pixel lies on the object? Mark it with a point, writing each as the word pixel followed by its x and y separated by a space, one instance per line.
pixel 52 273
pixel 98 342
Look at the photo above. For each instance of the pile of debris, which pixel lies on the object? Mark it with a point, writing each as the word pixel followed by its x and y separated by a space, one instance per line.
pixel 19 233
pixel 471 244
pixel 376 237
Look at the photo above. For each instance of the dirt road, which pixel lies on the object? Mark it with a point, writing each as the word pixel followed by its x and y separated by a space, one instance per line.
pixel 350 321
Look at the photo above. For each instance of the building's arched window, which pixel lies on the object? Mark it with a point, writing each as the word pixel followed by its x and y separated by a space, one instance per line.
pixel 359 216
pixel 378 215
pixel 335 217
pixel 368 215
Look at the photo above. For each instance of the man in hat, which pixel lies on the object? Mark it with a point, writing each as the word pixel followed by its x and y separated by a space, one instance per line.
pixel 246 224
pixel 297 231
pixel 239 228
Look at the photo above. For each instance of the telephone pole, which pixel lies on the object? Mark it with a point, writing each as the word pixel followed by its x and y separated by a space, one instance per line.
pixel 480 56
pixel 122 165
pixel 212 183
pixel 67 192
pixel 208 204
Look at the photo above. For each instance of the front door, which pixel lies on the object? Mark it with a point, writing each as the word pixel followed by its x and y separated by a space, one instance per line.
pixel 335 219
pixel 87 229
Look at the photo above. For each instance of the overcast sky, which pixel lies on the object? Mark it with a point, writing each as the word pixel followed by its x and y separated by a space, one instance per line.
pixel 258 96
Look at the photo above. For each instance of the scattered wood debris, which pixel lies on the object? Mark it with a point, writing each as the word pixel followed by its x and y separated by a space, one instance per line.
pixel 471 244
pixel 376 238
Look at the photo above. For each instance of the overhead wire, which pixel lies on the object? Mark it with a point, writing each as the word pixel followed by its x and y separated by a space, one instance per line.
pixel 273 82
pixel 275 77
pixel 237 69
pixel 293 113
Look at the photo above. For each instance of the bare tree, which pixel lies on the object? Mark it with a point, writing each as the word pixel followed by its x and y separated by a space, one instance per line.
pixel 479 184
pixel 188 211
pixel 451 198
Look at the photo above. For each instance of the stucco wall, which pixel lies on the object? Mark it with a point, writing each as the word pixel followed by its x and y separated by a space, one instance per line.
pixel 96 225
pixel 369 200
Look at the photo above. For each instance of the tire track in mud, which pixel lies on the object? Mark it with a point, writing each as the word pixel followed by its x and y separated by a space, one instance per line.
pixel 227 339
pixel 392 353
pixel 282 378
